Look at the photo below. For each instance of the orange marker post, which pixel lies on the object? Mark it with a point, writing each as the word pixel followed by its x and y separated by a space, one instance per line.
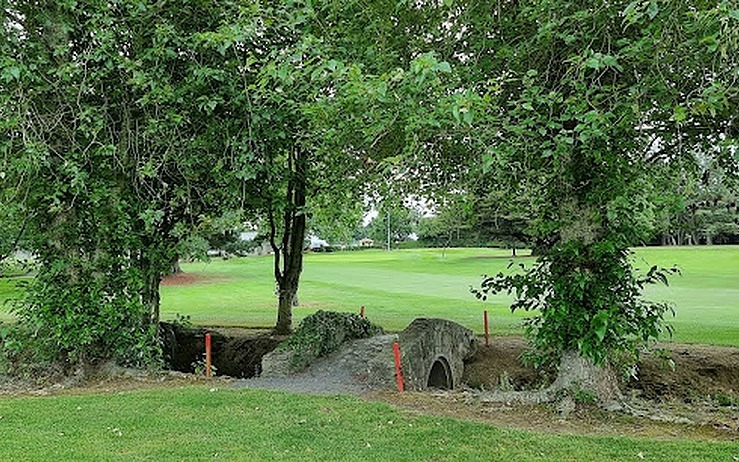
pixel 487 328
pixel 361 311
pixel 398 372
pixel 207 355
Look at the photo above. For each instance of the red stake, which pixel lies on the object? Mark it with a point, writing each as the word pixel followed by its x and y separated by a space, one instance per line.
pixel 207 355
pixel 398 372
pixel 487 328
pixel 361 311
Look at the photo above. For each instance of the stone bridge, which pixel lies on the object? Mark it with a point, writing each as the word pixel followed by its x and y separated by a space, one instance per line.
pixel 433 352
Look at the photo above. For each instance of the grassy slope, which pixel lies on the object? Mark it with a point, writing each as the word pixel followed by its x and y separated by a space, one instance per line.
pixel 195 423
pixel 706 295
pixel 399 286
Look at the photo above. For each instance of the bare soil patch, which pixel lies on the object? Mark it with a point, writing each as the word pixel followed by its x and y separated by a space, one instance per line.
pixel 698 399
pixel 185 279
pixel 700 371
pixel 235 352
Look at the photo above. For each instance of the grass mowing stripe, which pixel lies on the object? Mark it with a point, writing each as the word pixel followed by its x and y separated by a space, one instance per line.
pixel 401 285
pixel 194 423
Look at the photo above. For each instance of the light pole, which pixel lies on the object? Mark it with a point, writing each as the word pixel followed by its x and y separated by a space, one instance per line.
pixel 388 230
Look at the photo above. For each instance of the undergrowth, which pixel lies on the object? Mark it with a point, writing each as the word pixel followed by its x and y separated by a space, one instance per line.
pixel 322 333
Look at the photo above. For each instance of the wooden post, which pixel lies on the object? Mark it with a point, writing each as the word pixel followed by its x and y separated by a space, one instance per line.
pixel 487 328
pixel 361 311
pixel 207 355
pixel 398 371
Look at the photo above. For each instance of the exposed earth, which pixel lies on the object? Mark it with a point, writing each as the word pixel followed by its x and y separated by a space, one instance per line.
pixel 699 399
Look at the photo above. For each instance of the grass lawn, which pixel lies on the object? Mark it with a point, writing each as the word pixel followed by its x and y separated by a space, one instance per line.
pixel 396 287
pixel 197 423
pixel 8 289
pixel 399 286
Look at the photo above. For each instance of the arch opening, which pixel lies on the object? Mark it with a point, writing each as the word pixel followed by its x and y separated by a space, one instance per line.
pixel 440 375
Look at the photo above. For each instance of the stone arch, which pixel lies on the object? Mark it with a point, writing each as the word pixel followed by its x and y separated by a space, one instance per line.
pixel 440 375
pixel 432 352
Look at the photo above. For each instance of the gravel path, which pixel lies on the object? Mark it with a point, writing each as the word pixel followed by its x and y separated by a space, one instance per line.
pixel 343 372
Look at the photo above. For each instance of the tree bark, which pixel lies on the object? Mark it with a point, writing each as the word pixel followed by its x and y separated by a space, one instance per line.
pixel 578 373
pixel 150 297
pixel 288 260
pixel 577 379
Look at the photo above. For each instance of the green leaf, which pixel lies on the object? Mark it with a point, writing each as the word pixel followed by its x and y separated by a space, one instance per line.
pixel 443 66
pixel 611 61
pixel 593 63
pixel 652 9
pixel 487 162
pixel 456 114
pixel 467 116
pixel 679 114
pixel 10 73
pixel 600 324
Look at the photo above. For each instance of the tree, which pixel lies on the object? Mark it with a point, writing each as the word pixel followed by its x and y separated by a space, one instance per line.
pixel 584 113
pixel 335 223
pixel 478 218
pixel 308 129
pixel 702 208
pixel 121 136
pixel 394 223
pixel 12 229
pixel 573 109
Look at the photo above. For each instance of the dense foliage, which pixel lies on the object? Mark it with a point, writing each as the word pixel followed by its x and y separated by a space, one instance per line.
pixel 119 137
pixel 127 127
pixel 586 299
pixel 324 332
pixel 589 111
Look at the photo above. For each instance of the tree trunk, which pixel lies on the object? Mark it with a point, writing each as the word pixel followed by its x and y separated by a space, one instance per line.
pixel 150 297
pixel 578 380
pixel 176 268
pixel 580 374
pixel 154 261
pixel 288 264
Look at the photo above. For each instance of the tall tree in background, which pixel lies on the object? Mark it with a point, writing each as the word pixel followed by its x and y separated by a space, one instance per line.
pixel 321 90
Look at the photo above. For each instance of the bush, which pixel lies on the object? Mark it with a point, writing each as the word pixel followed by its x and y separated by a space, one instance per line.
pixel 12 266
pixel 75 315
pixel 322 333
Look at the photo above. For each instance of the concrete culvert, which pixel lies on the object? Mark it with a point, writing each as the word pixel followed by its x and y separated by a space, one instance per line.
pixel 440 375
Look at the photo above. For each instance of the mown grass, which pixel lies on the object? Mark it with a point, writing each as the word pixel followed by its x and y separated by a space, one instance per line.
pixel 396 287
pixel 195 423
pixel 9 288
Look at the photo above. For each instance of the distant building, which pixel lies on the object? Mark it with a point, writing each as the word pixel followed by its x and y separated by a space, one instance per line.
pixel 317 244
pixel 366 242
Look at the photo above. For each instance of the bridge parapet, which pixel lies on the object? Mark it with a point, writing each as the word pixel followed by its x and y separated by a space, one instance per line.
pixel 433 353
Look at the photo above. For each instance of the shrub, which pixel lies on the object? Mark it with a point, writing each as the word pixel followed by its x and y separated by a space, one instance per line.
pixel 322 333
